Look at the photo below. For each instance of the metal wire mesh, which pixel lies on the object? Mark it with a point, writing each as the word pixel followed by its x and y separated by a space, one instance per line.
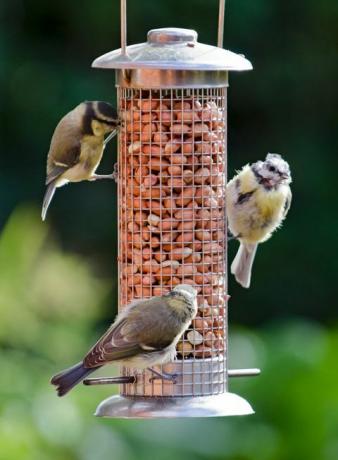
pixel 172 222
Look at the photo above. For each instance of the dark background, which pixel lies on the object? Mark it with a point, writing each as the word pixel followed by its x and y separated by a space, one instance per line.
pixel 58 279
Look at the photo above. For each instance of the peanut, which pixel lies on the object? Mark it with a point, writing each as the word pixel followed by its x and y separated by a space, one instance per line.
pixel 146 105
pixel 179 128
pixel 181 253
pixel 200 324
pixel 158 164
pixel 194 258
pixel 148 117
pixel 203 235
pixel 160 256
pixel 188 176
pixel 175 170
pixel 199 129
pixel 150 266
pixel 185 237
pixel 172 147
pixel 130 269
pixel 186 225
pixel 134 148
pixel 150 180
pixel 184 348
pixel 158 290
pixel 202 175
pixel 186 270
pixel 168 224
pixel 187 117
pixel 209 339
pixel 178 159
pixel 182 105
pixel 194 337
pixel 188 146
pixel 142 291
pixel 153 149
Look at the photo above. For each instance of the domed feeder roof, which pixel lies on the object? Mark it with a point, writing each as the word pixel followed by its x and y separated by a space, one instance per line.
pixel 173 49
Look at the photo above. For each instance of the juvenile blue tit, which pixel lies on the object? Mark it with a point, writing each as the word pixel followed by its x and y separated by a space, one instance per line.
pixel 258 199
pixel 145 333
pixel 77 146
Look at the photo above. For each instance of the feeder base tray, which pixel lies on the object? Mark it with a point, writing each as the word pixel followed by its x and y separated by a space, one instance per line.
pixel 221 405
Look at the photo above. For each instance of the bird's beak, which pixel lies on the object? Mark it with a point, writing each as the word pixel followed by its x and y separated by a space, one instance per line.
pixel 267 182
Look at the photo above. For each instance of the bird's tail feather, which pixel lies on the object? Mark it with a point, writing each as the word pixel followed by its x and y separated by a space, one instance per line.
pixel 242 264
pixel 47 199
pixel 67 379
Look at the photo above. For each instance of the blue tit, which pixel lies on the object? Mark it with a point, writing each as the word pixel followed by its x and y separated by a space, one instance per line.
pixel 145 333
pixel 77 146
pixel 258 199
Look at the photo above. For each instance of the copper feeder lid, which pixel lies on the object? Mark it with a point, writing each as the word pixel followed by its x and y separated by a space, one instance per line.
pixel 173 49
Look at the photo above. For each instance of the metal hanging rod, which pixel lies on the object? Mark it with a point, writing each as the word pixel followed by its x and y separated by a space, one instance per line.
pixel 221 23
pixel 123 13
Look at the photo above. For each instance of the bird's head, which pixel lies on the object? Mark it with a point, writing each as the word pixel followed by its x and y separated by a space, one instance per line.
pixel 273 171
pixel 184 297
pixel 99 118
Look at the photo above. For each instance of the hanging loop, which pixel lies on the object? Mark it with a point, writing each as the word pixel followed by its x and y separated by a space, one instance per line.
pixel 123 14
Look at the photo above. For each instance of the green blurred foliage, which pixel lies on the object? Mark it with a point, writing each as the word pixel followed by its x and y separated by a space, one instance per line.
pixel 58 280
pixel 48 311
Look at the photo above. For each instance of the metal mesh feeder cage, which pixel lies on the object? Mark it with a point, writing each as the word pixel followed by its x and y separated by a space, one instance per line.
pixel 172 173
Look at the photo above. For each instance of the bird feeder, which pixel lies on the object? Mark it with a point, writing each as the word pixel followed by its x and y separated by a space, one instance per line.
pixel 172 174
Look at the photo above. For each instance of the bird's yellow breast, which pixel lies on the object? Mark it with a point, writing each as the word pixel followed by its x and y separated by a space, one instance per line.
pixel 90 157
pixel 269 203
pixel 91 152
pixel 259 213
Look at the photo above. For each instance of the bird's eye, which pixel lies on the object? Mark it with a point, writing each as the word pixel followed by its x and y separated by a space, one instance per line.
pixel 272 168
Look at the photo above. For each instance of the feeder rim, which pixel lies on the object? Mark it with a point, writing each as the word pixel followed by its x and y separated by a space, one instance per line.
pixel 173 49
pixel 227 60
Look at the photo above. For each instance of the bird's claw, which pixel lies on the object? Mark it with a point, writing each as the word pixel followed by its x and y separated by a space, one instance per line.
pixel 115 174
pixel 164 376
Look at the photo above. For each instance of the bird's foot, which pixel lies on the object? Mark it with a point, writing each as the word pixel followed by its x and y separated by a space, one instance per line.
pixel 116 172
pixel 114 175
pixel 102 176
pixel 163 376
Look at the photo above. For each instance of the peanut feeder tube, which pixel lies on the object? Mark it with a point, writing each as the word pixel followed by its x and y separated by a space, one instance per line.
pixel 172 164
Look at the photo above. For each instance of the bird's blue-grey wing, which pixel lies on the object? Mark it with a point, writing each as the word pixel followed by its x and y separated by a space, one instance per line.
pixel 65 148
pixel 139 332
